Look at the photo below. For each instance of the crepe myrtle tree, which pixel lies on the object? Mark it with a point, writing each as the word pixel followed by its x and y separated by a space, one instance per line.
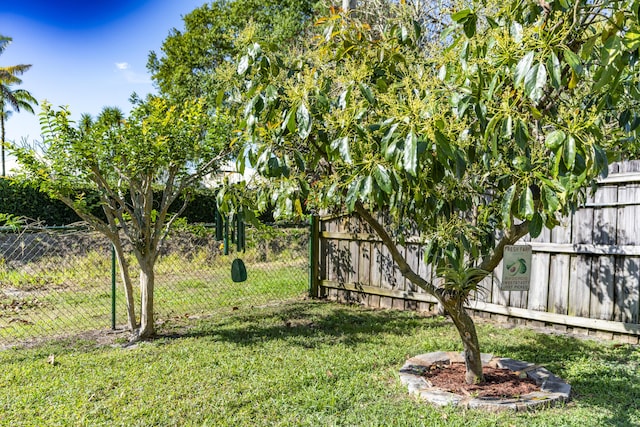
pixel 495 131
pixel 160 148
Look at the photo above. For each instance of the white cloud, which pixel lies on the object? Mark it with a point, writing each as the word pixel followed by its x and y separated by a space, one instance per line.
pixel 131 76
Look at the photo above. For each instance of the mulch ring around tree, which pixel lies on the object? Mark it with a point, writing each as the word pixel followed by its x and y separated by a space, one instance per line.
pixel 438 378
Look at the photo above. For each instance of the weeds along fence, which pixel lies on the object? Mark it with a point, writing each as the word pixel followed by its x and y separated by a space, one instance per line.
pixel 60 281
pixel 585 273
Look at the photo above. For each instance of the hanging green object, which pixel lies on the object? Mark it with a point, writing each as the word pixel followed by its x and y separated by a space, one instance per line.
pixel 219 226
pixel 240 232
pixel 238 271
pixel 226 236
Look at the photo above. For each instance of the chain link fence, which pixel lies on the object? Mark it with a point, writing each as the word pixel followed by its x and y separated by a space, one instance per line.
pixel 56 282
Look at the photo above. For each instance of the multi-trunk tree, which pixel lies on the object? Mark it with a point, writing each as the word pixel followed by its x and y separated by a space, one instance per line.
pixel 139 166
pixel 492 130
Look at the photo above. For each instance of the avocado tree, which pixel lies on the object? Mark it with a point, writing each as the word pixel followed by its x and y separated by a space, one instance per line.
pixel 493 131
pixel 160 149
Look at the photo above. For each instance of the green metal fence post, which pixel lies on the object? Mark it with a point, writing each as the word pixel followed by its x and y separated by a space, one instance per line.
pixel 226 236
pixel 113 287
pixel 219 233
pixel 314 244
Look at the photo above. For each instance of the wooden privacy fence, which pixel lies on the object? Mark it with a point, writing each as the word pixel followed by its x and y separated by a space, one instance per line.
pixel 585 272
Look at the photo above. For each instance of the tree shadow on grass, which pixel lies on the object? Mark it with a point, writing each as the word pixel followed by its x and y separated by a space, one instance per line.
pixel 603 376
pixel 310 324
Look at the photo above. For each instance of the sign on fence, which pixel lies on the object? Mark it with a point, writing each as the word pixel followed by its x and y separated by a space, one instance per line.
pixel 516 268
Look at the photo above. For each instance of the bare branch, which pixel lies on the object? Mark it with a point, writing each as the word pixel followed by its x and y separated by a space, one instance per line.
pixel 515 233
pixel 399 259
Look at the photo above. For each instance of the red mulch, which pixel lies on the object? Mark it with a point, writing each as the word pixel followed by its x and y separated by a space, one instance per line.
pixel 502 383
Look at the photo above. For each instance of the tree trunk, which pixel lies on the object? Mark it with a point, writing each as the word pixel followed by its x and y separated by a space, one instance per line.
pixel 348 4
pixel 467 330
pixel 147 279
pixel 2 113
pixel 454 307
pixel 128 288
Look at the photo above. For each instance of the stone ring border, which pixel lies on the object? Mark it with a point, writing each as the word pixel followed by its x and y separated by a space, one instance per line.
pixel 553 389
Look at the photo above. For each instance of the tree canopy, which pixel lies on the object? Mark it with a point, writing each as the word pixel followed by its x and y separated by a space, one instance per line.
pixel 189 58
pixel 160 148
pixel 492 130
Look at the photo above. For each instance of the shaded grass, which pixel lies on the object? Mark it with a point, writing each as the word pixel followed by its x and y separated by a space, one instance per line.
pixel 300 363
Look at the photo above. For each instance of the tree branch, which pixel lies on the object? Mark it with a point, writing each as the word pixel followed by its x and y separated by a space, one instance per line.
pixel 399 259
pixel 515 233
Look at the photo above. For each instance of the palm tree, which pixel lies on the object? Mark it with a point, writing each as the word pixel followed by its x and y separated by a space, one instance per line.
pixel 11 99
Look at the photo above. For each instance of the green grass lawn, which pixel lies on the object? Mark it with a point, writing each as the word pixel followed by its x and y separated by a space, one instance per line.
pixel 299 363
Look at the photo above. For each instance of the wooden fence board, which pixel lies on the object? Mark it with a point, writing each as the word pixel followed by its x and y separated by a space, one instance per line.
pixel 329 268
pixel 387 280
pixel 539 288
pixel 580 273
pixel 376 273
pixel 605 221
pixel 558 293
pixel 579 292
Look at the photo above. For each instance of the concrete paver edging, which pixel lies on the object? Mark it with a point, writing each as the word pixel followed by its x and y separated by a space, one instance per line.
pixel 553 389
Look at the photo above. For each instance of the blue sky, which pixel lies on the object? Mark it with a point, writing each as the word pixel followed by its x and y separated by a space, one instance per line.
pixel 84 54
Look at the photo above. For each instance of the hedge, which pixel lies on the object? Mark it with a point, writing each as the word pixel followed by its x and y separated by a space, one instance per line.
pixel 21 199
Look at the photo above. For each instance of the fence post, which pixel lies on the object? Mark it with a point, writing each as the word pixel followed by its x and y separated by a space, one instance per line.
pixel 113 288
pixel 226 236
pixel 314 238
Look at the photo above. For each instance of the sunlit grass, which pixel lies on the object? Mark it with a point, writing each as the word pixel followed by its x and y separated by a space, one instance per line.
pixel 52 297
pixel 301 363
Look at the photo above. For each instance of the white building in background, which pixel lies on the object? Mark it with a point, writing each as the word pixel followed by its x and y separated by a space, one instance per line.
pixel 229 170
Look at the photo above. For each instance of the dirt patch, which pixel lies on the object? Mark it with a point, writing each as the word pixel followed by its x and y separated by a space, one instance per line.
pixel 502 383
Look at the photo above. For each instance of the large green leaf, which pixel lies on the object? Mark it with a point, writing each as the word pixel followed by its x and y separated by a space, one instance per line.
pixel 366 187
pixel 270 94
pixel 536 224
pixel 469 25
pixel 609 74
pixel 632 38
pixel 254 50
pixel 549 199
pixel 522 134
pixel 382 178
pixel 574 61
pixel 388 146
pixel 243 65
pixel 523 68
pixel 535 82
pixel 525 205
pixel 303 119
pixel 555 70
pixel 289 122
pixel 367 93
pixel 554 140
pixel 459 16
pixel 353 194
pixel 443 148
pixel 569 152
pixel 342 146
pixel 507 201
pixel 410 155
